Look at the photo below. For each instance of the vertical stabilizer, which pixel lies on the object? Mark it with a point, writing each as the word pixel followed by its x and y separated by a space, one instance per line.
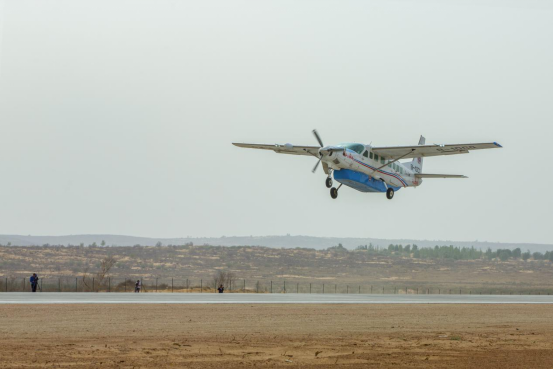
pixel 416 164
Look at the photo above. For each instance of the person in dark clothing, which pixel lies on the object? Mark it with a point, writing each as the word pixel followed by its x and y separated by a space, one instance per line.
pixel 34 282
pixel 221 289
pixel 137 286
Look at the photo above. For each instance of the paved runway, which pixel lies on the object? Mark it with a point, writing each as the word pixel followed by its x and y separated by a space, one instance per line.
pixel 262 298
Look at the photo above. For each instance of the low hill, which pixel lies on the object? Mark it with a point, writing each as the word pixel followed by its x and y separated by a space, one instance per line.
pixel 318 243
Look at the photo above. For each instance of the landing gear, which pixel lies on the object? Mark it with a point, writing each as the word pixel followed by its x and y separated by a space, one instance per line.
pixel 328 182
pixel 334 191
pixel 390 193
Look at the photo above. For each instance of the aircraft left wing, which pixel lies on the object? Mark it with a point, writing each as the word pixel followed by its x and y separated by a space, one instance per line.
pixel 425 175
pixel 283 149
pixel 405 152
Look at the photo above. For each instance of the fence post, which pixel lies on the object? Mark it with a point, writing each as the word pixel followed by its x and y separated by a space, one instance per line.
pixel 6 284
pixel 347 289
pixel 335 287
pixel 323 288
pixel 271 286
pixel 171 284
pixel 125 284
pixel 187 289
pixel 383 290
pixel 257 287
pixel 244 286
pixel 59 284
pixel 40 284
pixel 109 284
pixel 371 289
pixel 156 284
pixel 76 285
pixel 395 290
pixel 359 289
pixel 297 288
pixel 201 285
pixel 459 291
pixel 309 287
pixel 24 284
pixel 92 284
pixel 284 286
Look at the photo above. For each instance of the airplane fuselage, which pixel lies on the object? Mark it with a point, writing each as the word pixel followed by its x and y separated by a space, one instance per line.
pixel 367 172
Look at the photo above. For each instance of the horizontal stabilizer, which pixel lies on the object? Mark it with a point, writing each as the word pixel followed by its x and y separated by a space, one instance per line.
pixel 440 176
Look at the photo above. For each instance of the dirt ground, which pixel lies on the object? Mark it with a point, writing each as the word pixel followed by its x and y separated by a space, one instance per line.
pixel 229 336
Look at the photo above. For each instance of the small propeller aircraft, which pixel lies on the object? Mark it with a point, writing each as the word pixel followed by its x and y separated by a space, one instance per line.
pixel 373 169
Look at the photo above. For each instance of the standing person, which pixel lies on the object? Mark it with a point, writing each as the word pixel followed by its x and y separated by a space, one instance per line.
pixel 221 289
pixel 34 282
pixel 137 286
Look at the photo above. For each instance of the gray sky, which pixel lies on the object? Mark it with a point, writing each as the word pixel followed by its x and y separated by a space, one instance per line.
pixel 118 116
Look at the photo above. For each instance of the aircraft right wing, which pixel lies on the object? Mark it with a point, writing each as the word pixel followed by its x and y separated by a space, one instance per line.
pixel 284 149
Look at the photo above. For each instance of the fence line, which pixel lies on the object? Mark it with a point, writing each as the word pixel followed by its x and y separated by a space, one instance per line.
pixel 186 285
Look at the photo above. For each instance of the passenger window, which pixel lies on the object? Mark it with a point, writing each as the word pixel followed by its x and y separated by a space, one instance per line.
pixel 375 157
pixel 382 160
pixel 366 154
pixel 371 155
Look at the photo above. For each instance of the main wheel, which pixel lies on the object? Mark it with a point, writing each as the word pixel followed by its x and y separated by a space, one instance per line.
pixel 390 193
pixel 333 192
pixel 328 182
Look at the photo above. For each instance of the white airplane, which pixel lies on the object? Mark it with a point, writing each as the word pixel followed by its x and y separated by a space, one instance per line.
pixel 373 169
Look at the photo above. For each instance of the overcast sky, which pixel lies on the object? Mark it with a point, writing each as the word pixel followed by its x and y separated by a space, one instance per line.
pixel 118 116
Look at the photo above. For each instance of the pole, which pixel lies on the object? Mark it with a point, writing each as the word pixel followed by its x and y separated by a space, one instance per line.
pixel 125 284
pixel 109 284
pixel 23 284
pixel 244 286
pixel 92 284
pixel 187 284
pixel 201 285
pixel 59 284
pixel 284 286
pixel 257 287
pixel 271 286
pixel 171 284
pixel 156 284
pixel 6 284
pixel 76 284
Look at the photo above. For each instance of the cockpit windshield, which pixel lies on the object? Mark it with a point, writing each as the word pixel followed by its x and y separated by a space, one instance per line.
pixel 358 148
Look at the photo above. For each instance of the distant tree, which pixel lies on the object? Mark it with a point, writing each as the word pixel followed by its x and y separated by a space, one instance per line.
pixel 9 243
pixel 537 256
pixel 526 255
pixel 159 244
pixel 517 253
pixel 103 243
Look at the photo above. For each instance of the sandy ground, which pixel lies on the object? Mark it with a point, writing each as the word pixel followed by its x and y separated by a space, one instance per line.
pixel 228 336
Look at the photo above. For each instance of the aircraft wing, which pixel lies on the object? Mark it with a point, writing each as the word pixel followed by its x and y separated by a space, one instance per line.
pixel 283 149
pixel 425 175
pixel 405 152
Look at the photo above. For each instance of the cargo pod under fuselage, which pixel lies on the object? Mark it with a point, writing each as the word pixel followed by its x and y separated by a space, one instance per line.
pixel 360 181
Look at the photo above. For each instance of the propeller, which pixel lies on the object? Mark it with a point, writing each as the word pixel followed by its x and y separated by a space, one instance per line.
pixel 316 134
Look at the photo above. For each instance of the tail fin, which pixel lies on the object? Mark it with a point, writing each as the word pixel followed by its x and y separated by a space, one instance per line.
pixel 416 164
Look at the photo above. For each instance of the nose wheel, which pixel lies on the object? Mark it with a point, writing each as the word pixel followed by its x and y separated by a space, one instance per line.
pixel 328 182
pixel 390 193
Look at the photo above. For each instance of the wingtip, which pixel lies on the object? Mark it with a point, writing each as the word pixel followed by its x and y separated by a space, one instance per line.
pixel 496 144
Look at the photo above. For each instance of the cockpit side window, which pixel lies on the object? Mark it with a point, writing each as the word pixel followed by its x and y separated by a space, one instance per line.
pixel 382 160
pixel 371 154
pixel 366 154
